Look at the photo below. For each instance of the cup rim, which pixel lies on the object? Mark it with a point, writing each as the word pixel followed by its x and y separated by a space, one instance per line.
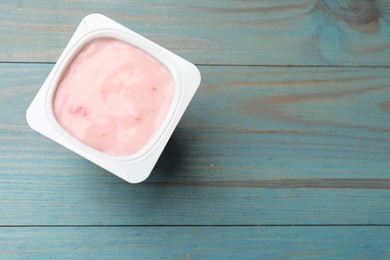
pixel 148 47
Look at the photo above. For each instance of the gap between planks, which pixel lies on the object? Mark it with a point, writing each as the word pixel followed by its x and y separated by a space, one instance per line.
pixel 200 225
pixel 233 65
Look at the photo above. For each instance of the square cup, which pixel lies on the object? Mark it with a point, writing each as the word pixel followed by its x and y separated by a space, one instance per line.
pixel 135 167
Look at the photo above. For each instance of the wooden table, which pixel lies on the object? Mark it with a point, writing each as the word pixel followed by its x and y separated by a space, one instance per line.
pixel 283 153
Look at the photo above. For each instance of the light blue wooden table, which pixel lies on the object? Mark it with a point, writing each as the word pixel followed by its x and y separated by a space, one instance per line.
pixel 283 153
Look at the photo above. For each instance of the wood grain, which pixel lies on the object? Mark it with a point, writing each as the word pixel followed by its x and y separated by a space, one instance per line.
pixel 304 32
pixel 195 242
pixel 284 153
pixel 256 146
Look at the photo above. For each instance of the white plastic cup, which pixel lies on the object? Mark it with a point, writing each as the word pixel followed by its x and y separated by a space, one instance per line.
pixel 136 167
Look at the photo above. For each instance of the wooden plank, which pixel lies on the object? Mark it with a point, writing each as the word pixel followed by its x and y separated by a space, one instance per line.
pixel 196 242
pixel 257 146
pixel 304 32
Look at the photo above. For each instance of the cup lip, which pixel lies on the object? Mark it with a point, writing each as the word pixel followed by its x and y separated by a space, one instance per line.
pixel 153 50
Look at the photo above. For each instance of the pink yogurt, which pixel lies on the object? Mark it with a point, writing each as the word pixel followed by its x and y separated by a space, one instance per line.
pixel 113 97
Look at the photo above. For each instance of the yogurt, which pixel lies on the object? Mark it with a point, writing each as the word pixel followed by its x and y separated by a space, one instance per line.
pixel 113 97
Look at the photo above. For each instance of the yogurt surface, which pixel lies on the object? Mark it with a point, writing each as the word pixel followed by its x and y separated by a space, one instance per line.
pixel 113 97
